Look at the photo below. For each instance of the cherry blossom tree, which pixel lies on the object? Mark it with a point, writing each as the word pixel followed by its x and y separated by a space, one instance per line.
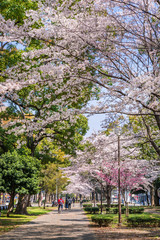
pixel 98 161
pixel 111 44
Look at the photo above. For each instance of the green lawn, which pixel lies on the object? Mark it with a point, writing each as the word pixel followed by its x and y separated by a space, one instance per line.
pixel 15 220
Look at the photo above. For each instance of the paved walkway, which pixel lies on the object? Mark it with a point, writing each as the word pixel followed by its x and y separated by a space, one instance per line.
pixel 68 225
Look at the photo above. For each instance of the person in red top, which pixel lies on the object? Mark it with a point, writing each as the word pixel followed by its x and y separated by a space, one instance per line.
pixel 60 204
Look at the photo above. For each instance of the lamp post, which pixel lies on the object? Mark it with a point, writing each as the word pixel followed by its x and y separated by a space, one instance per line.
pixel 118 133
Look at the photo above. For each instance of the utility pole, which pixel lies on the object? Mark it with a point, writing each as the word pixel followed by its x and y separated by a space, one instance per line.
pixel 119 183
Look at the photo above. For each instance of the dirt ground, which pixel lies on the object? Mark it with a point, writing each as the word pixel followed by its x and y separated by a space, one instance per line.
pixel 126 234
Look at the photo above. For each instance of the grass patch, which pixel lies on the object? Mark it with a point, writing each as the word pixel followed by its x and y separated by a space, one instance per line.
pixel 15 220
pixel 36 211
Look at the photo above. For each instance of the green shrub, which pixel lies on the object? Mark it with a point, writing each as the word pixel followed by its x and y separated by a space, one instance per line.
pixel 143 221
pixel 133 210
pixel 85 200
pixel 123 210
pixel 87 205
pixel 108 210
pixel 88 209
pixel 114 210
pixel 95 210
pixel 102 219
pixel 104 205
pixel 91 210
pixel 116 205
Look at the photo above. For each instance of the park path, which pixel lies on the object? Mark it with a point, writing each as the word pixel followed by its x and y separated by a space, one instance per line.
pixel 68 225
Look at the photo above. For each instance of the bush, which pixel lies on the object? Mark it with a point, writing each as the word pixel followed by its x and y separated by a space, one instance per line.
pixel 143 221
pixel 116 205
pixel 95 210
pixel 133 210
pixel 114 210
pixel 108 210
pixel 85 200
pixel 104 205
pixel 102 219
pixel 91 210
pixel 87 205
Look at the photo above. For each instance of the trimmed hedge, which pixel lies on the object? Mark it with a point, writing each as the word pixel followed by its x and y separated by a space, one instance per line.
pixel 136 210
pixel 108 210
pixel 102 220
pixel 87 205
pixel 104 205
pixel 116 205
pixel 91 210
pixel 85 200
pixel 132 210
pixel 143 221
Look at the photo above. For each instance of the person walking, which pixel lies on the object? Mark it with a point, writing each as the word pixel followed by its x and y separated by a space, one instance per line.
pixel 60 205
pixel 73 200
pixel 81 202
pixel 69 203
pixel 66 203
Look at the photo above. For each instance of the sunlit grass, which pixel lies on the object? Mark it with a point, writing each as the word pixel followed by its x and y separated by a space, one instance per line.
pixel 15 220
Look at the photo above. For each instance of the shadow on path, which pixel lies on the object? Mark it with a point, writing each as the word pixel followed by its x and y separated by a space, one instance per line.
pixel 68 232
pixel 68 225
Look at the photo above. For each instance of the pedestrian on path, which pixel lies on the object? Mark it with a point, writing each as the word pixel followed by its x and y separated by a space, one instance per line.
pixel 81 201
pixel 73 200
pixel 60 204
pixel 69 203
pixel 66 204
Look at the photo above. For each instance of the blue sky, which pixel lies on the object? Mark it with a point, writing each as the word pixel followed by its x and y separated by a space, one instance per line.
pixel 94 123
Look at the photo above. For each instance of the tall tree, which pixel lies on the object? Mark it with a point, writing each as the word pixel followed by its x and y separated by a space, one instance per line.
pixel 111 44
pixel 18 175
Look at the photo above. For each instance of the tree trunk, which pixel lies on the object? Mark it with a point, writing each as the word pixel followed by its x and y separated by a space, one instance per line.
pixel 29 201
pixel 11 204
pixel 147 198
pixel 156 198
pixel 124 197
pixel 80 196
pixel 152 196
pixel 44 206
pixel 22 204
pixel 40 199
pixel 108 193
pixel 126 202
pixel 96 196
pixel 47 198
pixel 127 209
